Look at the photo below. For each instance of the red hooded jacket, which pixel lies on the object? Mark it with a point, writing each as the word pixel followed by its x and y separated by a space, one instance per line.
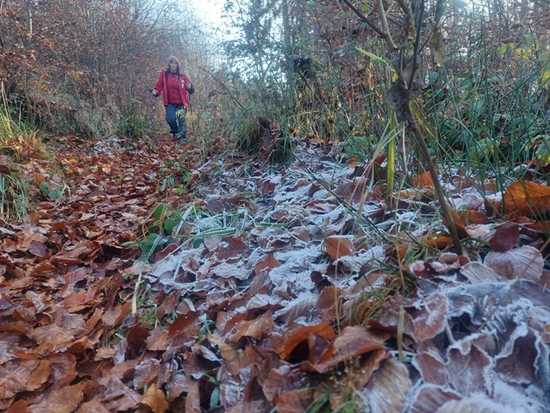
pixel 174 88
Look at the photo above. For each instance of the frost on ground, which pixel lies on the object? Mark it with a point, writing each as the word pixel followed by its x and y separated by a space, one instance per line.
pixel 293 288
pixel 288 293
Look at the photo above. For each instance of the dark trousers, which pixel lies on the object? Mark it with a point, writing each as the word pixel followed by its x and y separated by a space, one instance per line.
pixel 175 116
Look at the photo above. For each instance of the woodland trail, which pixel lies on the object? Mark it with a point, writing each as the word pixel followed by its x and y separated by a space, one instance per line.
pixel 63 290
pixel 263 287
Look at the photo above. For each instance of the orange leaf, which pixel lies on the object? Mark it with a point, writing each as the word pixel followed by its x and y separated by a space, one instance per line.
pixel 20 406
pixel 424 180
pixel 301 334
pixel 295 401
pixel 458 220
pixel 39 375
pixel 155 399
pixel 527 198
pixel 353 342
pixel 266 263
pixel 473 216
pixel 338 246
pixel 439 241
pixel 254 328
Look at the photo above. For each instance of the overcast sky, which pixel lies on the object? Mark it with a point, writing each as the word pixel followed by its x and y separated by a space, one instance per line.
pixel 209 10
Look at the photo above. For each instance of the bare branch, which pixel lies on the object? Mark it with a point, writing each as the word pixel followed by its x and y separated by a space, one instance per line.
pixel 417 43
pixel 364 18
pixel 385 25
pixel 223 85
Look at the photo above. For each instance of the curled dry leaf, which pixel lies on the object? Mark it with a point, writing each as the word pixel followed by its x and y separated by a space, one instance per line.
pixel 354 341
pixel 338 246
pixel 119 397
pixel 524 262
pixel 155 399
pixel 301 335
pixel 518 361
pixel 257 328
pixel 527 198
pixel 387 390
pixel 366 371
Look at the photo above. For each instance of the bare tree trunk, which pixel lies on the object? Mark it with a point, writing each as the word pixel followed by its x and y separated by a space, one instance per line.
pixel 291 79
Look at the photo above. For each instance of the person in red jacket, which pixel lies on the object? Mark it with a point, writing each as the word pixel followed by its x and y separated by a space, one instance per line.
pixel 175 87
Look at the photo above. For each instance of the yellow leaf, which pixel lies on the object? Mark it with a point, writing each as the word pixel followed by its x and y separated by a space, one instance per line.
pixel 155 399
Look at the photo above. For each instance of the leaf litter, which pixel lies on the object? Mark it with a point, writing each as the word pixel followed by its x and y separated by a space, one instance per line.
pixel 283 289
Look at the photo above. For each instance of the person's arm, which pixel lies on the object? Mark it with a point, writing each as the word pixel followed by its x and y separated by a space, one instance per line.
pixel 159 87
pixel 189 86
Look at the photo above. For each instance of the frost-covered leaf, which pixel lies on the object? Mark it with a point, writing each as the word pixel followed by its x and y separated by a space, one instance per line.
pixel 477 272
pixel 432 317
pixel 524 262
pixel 388 388
pixel 468 366
pixel 474 404
pixel 353 342
pixel 432 368
pixel 428 398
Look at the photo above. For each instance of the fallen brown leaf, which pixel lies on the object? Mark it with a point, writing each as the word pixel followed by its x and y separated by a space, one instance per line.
pixel 294 401
pixel 354 341
pixel 155 399
pixel 505 238
pixel 338 246
pixel 388 387
pixel 301 335
pixel 64 400
pixel 424 180
pixel 524 262
pixel 527 198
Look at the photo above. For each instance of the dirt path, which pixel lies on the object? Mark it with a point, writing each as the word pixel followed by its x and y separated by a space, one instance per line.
pixel 63 285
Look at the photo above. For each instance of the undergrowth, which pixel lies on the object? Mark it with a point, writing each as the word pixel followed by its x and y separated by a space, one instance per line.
pixel 19 143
